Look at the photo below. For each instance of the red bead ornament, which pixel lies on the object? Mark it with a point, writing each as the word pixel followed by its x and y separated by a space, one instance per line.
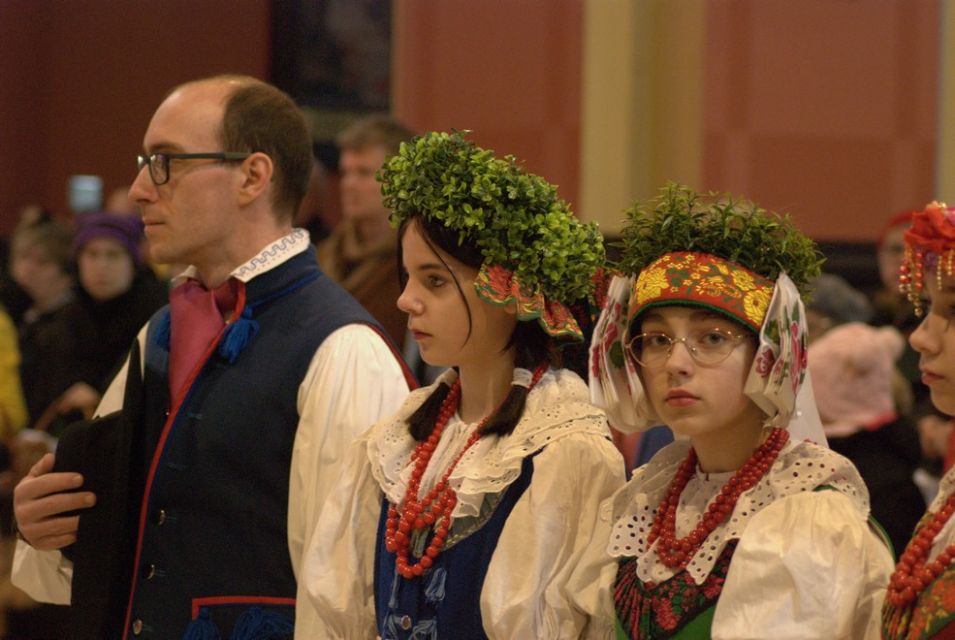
pixel 676 552
pixel 913 573
pixel 433 511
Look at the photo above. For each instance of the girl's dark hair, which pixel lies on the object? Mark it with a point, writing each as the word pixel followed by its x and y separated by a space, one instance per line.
pixel 532 345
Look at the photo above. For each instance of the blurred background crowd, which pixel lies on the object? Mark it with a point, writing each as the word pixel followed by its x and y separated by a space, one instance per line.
pixel 829 111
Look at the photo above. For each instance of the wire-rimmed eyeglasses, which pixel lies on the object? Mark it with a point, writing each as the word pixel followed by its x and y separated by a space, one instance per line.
pixel 707 347
pixel 158 163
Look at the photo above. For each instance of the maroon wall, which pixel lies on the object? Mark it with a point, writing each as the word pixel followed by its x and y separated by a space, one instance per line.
pixel 826 110
pixel 510 71
pixel 79 80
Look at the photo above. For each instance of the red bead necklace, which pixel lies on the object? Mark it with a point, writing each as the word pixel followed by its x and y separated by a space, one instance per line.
pixel 435 508
pixel 676 552
pixel 913 573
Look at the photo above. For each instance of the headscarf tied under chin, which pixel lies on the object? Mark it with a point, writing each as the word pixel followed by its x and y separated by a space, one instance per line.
pixel 777 381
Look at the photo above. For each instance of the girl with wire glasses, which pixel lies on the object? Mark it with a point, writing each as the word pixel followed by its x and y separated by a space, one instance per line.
pixel 747 526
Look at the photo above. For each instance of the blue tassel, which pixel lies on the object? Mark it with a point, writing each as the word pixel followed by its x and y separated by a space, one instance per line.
pixel 163 330
pixel 256 624
pixel 238 336
pixel 435 591
pixel 202 628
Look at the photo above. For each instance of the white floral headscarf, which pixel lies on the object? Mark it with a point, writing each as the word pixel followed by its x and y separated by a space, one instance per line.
pixel 778 381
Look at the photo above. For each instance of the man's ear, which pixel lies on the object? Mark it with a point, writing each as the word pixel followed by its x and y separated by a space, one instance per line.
pixel 257 172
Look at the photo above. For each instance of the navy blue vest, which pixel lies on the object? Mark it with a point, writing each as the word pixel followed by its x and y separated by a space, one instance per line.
pixel 445 601
pixel 212 530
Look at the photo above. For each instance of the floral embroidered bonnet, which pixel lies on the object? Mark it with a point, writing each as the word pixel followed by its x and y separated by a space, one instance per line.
pixel 732 258
pixel 536 254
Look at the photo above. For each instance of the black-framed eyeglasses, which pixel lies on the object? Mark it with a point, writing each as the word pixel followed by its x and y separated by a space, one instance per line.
pixel 158 163
pixel 707 347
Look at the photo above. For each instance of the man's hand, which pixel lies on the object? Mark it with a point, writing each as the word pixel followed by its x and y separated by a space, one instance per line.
pixel 40 499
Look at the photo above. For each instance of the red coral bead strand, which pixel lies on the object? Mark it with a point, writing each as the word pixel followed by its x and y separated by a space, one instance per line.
pixel 676 552
pixel 913 573
pixel 436 507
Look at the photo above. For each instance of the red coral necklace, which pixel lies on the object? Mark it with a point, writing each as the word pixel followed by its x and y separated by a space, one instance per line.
pixel 436 507
pixel 913 573
pixel 676 552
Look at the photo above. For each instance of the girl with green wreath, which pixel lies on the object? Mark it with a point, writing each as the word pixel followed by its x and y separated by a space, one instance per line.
pixel 470 513
pixel 747 526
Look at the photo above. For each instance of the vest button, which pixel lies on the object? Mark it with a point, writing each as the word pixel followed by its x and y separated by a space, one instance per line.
pixel 405 622
pixel 137 627
pixel 161 517
pixel 149 571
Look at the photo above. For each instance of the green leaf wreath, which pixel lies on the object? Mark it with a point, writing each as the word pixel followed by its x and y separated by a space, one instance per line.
pixel 514 217
pixel 679 219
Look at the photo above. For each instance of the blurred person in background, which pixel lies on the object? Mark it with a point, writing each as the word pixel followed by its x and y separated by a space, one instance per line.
pixel 13 413
pixel 852 367
pixel 890 305
pixel 117 294
pixel 313 213
pixel 40 263
pixel 12 296
pixel 834 302
pixel 119 202
pixel 13 410
pixel 360 252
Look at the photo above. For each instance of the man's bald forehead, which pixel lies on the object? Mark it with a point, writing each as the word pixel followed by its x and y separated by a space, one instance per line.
pixel 227 84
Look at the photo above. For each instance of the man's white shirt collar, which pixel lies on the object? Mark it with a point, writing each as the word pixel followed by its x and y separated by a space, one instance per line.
pixel 273 255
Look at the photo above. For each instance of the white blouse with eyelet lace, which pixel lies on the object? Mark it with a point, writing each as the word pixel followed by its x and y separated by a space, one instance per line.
pixel 807 565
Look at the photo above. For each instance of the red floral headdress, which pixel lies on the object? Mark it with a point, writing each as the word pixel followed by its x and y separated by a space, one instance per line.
pixel 929 242
pixel 499 285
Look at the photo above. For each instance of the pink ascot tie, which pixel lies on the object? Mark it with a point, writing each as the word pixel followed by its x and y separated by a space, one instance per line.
pixel 198 318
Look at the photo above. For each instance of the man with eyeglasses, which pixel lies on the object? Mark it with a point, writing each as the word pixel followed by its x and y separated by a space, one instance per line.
pixel 238 398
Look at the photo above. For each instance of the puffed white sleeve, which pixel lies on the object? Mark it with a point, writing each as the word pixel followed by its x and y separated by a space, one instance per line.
pixel 550 575
pixel 808 566
pixel 354 380
pixel 47 576
pixel 338 570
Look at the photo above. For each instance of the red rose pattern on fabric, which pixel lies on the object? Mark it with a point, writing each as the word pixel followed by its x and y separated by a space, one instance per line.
pixel 497 284
pixel 660 611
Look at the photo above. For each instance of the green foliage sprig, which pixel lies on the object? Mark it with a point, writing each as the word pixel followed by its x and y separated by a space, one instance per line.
pixel 679 219
pixel 514 217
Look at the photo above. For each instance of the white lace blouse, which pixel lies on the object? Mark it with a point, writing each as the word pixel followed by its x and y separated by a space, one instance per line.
pixel 807 565
pixel 548 577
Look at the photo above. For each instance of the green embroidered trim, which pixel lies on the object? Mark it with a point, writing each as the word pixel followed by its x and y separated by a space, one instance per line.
pixel 675 608
pixel 697 629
